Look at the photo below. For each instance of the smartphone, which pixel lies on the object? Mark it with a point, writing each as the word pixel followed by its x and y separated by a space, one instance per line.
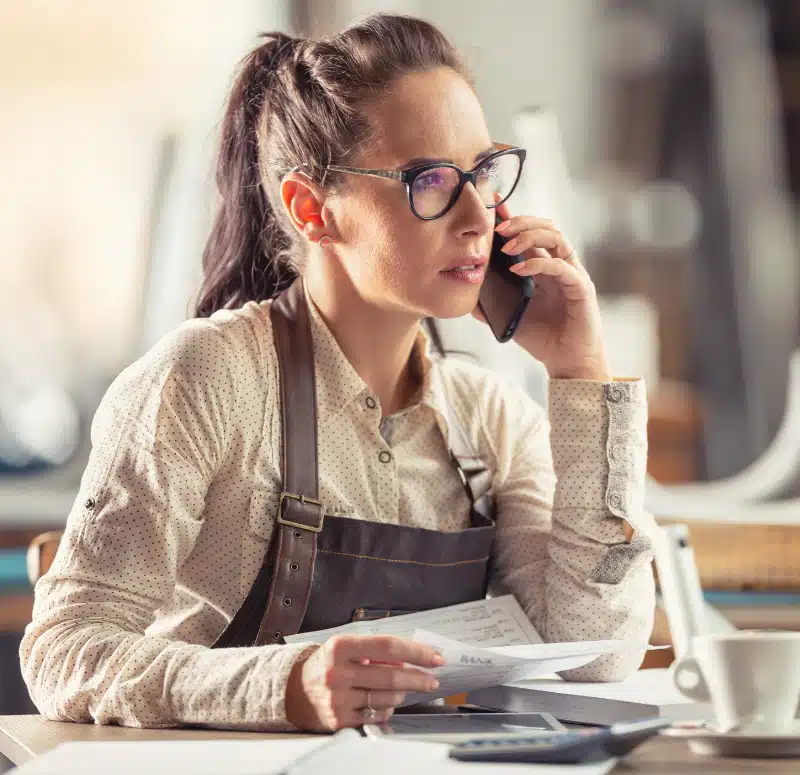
pixel 504 296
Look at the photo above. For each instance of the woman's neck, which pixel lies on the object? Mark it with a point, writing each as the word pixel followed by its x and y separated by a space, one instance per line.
pixel 378 343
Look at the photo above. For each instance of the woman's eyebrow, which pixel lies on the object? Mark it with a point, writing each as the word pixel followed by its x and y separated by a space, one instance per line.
pixel 419 161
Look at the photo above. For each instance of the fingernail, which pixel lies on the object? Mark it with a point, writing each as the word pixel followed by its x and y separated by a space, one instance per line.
pixel 433 685
pixel 517 267
pixel 438 659
pixel 502 226
pixel 510 246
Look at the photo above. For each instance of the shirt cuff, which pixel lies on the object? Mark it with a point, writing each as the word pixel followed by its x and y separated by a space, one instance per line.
pixel 280 679
pixel 598 437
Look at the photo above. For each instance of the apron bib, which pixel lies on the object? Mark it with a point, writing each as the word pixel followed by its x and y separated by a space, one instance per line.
pixel 322 571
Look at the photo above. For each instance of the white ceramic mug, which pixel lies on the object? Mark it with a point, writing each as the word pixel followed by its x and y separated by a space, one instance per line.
pixel 751 678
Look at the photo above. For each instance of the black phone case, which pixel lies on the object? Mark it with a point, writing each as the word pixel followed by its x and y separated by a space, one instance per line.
pixel 504 326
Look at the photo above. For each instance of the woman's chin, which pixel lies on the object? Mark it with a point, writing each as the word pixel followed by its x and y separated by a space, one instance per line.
pixel 447 308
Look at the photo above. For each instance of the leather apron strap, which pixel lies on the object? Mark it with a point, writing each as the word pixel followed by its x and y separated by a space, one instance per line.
pixel 287 572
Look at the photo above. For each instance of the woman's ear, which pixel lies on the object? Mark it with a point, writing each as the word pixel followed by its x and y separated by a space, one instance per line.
pixel 303 201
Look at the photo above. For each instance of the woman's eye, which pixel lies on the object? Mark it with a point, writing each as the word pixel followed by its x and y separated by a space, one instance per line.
pixel 489 170
pixel 431 180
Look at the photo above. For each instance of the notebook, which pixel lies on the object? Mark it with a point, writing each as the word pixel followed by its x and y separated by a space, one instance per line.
pixel 646 694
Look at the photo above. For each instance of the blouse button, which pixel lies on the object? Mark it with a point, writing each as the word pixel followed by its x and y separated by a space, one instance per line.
pixel 370 402
pixel 385 456
pixel 616 452
pixel 89 503
pixel 615 395
pixel 615 501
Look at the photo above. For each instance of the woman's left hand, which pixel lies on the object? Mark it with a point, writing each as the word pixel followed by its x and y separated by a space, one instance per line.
pixel 561 327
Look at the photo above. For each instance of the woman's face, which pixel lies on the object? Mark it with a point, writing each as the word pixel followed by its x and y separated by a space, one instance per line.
pixel 394 259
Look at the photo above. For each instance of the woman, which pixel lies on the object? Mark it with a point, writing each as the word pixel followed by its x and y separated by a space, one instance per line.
pixel 285 464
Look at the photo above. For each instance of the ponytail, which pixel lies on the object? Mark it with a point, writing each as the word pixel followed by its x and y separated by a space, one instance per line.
pixel 244 257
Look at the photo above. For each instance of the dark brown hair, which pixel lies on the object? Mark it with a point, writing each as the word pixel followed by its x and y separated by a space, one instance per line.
pixel 298 101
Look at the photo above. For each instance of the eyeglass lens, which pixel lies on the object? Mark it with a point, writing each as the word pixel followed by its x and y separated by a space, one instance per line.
pixel 432 192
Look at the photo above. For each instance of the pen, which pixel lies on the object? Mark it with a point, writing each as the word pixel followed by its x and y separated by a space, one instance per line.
pixel 313 760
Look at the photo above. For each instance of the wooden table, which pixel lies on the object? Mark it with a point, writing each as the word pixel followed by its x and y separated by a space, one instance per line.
pixel 24 737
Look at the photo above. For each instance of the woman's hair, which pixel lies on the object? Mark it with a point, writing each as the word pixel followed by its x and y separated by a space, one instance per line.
pixel 298 101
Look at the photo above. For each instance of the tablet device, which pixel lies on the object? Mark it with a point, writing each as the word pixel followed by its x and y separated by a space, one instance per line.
pixel 458 727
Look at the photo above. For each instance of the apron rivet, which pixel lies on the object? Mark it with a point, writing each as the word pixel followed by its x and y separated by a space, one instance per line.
pixel 360 613
pixel 294 566
pixel 276 636
pixel 298 534
pixel 287 601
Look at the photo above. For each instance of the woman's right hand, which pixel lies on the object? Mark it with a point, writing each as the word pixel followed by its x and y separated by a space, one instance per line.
pixel 329 689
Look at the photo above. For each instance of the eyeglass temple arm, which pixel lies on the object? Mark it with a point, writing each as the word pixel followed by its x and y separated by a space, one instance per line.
pixel 389 174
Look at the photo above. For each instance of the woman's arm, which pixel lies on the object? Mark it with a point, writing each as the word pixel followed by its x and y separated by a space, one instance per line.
pixel 566 495
pixel 158 438
pixel 575 550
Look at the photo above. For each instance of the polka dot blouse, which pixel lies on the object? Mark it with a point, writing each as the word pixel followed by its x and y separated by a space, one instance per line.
pixel 177 505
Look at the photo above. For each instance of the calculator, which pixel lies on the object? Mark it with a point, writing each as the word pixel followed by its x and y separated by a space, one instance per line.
pixel 571 747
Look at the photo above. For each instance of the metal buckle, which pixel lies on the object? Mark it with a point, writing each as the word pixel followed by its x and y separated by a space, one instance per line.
pixel 303 500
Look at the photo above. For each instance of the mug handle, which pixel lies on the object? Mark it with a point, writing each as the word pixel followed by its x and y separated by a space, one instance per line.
pixel 688 679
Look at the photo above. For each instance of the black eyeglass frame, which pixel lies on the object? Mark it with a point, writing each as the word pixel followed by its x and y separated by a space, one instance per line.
pixel 408 177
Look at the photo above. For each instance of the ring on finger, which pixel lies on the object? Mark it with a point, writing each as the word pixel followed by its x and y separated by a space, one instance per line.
pixel 368 712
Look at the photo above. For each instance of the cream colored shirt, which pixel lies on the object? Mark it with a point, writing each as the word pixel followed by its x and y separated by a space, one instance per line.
pixel 176 508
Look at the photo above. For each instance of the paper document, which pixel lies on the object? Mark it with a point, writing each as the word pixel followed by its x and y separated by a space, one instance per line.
pixel 468 668
pixel 485 643
pixel 395 757
pixel 205 756
pixel 496 621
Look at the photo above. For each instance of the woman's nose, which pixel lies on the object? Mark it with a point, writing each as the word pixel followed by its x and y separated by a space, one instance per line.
pixel 473 213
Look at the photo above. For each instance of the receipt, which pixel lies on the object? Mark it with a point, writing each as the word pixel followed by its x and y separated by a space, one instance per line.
pixel 468 667
pixel 495 621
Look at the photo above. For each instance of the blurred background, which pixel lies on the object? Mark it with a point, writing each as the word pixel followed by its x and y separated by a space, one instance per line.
pixel 662 135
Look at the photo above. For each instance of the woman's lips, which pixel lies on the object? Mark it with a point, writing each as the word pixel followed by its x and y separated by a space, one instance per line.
pixel 472 273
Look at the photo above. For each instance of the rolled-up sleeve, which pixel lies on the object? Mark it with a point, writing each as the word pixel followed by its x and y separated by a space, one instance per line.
pixel 566 487
pixel 158 438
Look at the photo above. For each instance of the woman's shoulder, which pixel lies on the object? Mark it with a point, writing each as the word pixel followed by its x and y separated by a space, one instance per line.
pixel 483 385
pixel 202 360
pixel 486 400
pixel 230 342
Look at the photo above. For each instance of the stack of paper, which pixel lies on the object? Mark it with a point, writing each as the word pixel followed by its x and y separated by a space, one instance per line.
pixel 646 694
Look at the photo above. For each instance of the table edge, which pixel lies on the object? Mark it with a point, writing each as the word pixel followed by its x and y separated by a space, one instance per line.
pixel 13 750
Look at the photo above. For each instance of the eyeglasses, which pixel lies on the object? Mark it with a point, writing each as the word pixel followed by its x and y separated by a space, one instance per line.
pixel 434 188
